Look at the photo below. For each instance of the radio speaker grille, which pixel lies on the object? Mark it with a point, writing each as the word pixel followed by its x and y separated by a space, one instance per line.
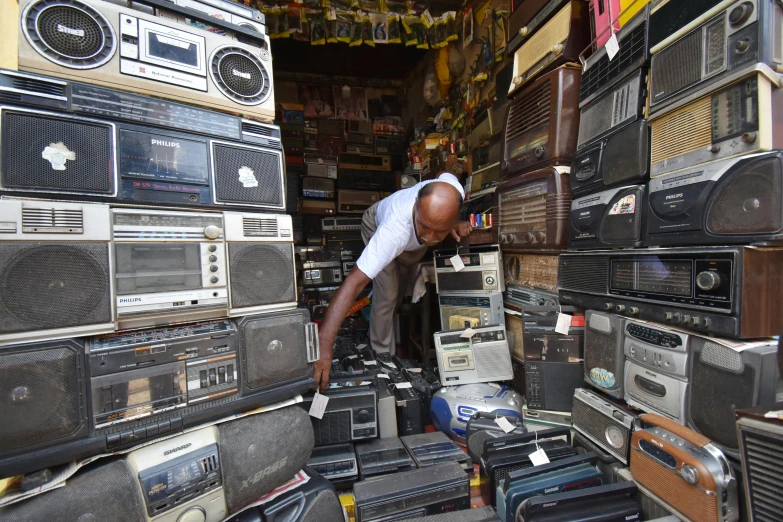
pixel 53 285
pixel 333 428
pixel 622 227
pixel 57 154
pixel 594 423
pixel 516 325
pixel 750 201
pixel 325 507
pixel 261 274
pixel 87 42
pixel 627 154
pixel 44 388
pixel 235 165
pixel 633 47
pixel 684 130
pixel 529 112
pixel 677 66
pixel 240 75
pixel 492 361
pixel 455 281
pixel 584 273
pixel 673 16
pixel 538 46
pixel 531 270
pixel 273 349
pixel 763 459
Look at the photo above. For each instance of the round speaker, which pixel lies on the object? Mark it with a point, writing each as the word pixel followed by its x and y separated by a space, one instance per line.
pixel 69 33
pixel 240 75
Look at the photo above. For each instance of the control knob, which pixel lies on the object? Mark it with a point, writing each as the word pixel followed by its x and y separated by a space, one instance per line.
pixel 212 232
pixel 529 237
pixel 633 310
pixel 213 280
pixel 620 308
pixel 608 306
pixel 212 248
pixel 489 280
pixel 690 474
pixel 213 268
pixel 740 13
pixel 194 514
pixel 212 259
pixel 364 416
pixel 523 31
pixel 708 280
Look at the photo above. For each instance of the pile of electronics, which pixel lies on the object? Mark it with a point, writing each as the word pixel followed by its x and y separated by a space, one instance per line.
pixel 148 311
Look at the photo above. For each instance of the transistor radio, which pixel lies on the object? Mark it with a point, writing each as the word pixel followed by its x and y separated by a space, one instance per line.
pixel 604 423
pixel 760 441
pixel 471 308
pixel 739 200
pixel 667 17
pixel 352 160
pixel 550 385
pixel 558 41
pixel 114 46
pixel 482 272
pixel 542 122
pixel 322 273
pixel 614 218
pixel 366 180
pixel 608 503
pixel 351 413
pixel 605 352
pixel 341 224
pixel 314 187
pixel 685 469
pixel 520 296
pixel 318 207
pixel 526 18
pixel 533 211
pixel 741 118
pixel 355 201
pixel 336 463
pixel 533 270
pixel 718 291
pixel 730 40
pixel 483 426
pixel 601 73
pixel 482 357
pixel 321 166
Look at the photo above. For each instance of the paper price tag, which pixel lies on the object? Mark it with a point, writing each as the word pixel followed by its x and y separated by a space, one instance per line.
pixel 426 17
pixel 370 363
pixel 414 370
pixel 539 457
pixel 361 346
pixel 318 407
pixel 403 385
pixel 389 365
pixel 468 333
pixel 365 383
pixel 495 385
pixel 563 324
pixel 504 424
pixel 352 357
pixel 457 263
pixel 382 376
pixel 612 47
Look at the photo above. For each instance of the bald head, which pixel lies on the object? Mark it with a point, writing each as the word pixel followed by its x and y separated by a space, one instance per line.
pixel 436 212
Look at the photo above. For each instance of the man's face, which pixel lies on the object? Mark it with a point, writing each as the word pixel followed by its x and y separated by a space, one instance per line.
pixel 431 228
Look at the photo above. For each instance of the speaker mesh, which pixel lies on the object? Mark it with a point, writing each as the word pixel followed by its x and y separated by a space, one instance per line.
pixel 274 349
pixel 450 281
pixel 621 228
pixel 325 507
pixel 676 66
pixel 261 273
pixel 595 423
pixel 727 386
pixel 44 391
pixel 260 452
pixel 240 75
pixel 106 493
pixel 627 154
pixel 749 202
pixel 53 285
pixel 604 350
pixel 232 165
pixel 25 166
pixel 333 428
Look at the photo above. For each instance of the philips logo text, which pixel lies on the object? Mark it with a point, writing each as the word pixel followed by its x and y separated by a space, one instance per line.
pixel 163 143
pixel 674 196
pixel 126 300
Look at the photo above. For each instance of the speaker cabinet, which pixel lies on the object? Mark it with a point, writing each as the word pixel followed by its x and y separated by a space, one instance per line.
pixel 55 270
pixel 57 154
pixel 276 349
pixel 248 175
pixel 604 359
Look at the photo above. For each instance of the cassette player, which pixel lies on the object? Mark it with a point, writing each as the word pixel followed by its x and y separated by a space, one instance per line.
pixel 614 218
pixel 482 272
pixel 336 463
pixel 383 456
pixel 481 357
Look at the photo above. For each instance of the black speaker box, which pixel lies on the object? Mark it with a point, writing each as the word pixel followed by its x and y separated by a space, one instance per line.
pixel 604 357
pixel 230 159
pixel 551 385
pixel 613 218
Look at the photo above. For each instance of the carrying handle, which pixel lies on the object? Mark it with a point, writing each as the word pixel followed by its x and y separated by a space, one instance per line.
pixel 678 429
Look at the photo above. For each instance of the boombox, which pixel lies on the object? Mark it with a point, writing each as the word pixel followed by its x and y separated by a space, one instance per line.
pixel 542 343
pixel 657 367
pixel 519 296
pixel 457 309
pixel 482 357
pixel 684 468
pixel 314 187
pixel 729 376
pixel 760 441
pixel 527 18
pixel 718 291
pixel 483 271
pixel 229 11
pixel 56 270
pixel 390 145
pixel 430 449
pixel 609 503
pixel 435 489
pixel 352 160
pixel 350 414
pixel 533 211
pixel 533 270
pixel 355 201
pixel 732 201
pixel 322 273
pixel 321 166
pixel 318 207
pixel 366 180
pixel 114 46
pixel 483 426
pixel 601 72
pixel 112 145
pixel 604 352
pixel 569 474
pixel 604 423
pixel 550 385
pixel 336 463
pixel 136 386
pixel 208 473
pixel 339 224
pixel 614 218
pixel 293 147
pixel 383 456
pixel 558 41
pixel 736 120
pixel 542 122
pixel 730 39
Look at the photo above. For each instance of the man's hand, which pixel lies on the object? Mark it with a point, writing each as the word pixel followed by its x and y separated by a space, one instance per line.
pixel 460 230
pixel 322 368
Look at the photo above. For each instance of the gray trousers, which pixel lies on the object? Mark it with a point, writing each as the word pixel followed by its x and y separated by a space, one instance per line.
pixel 388 288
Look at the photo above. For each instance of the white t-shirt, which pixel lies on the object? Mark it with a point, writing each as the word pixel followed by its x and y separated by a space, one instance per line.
pixel 395 232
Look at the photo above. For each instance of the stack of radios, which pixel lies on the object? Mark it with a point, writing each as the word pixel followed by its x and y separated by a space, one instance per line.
pixel 663 135
pixel 124 219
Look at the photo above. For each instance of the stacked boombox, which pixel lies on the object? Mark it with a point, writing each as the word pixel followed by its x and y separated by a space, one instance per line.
pixel 144 292
pixel 649 153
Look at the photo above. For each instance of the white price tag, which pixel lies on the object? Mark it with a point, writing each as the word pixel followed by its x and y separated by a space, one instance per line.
pixel 612 46
pixel 563 324
pixel 414 370
pixel 468 333
pixel 504 424
pixel 539 457
pixel 457 263
pixel 389 365
pixel 403 385
pixel 370 363
pixel 495 385
pixel 365 383
pixel 318 407
pixel 361 346
pixel 335 360
pixel 382 376
pixel 352 357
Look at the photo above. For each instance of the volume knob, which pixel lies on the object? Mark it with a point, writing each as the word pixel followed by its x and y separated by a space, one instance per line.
pixel 690 474
pixel 523 31
pixel 212 232
pixel 708 280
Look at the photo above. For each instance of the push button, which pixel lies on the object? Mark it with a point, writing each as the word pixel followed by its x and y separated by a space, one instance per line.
pixel 176 423
pixel 112 440
pixel 164 426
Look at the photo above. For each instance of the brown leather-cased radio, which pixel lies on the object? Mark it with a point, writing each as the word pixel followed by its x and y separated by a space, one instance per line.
pixel 533 211
pixel 542 126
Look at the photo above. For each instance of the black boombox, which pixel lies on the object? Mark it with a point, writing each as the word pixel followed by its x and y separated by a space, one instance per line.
pixel 614 218
pixel 609 503
pixel 78 141
pixel 366 180
pixel 123 389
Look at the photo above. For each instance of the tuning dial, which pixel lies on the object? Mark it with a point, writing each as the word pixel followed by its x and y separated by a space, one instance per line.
pixel 708 280
pixel 676 318
pixel 633 310
pixel 557 48
pixel 489 280
pixel 213 268
pixel 740 13
pixel 620 308
pixel 608 306
pixel 364 416
pixel 529 238
pixel 539 152
pixel 194 514
pixel 690 474
pixel 748 137
pixel 540 237
pixel 212 232
pixel 523 31
pixel 213 280
pixel 742 45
